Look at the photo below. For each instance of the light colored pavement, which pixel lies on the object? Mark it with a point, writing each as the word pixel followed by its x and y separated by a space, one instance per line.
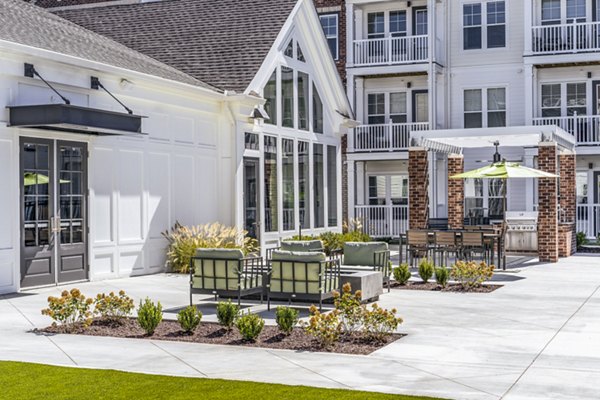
pixel 538 337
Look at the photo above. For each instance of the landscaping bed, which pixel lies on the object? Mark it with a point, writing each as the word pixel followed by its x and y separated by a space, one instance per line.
pixel 450 287
pixel 213 333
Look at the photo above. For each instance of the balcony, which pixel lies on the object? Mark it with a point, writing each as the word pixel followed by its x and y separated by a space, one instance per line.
pixel 383 221
pixel 385 137
pixel 588 219
pixel 566 38
pixel 585 128
pixel 391 51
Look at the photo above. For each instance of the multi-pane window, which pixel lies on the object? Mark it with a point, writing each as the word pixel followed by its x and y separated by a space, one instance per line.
pixel 550 12
pixel 397 23
pixel 473 108
pixel 303 184
pixel 287 96
pixel 484 198
pixel 398 107
pixel 299 53
pixel 289 49
pixel 474 198
pixel 332 186
pixel 376 25
pixel 388 190
pixel 576 99
pixel 493 18
pixel 582 187
pixel 551 100
pixel 376 108
pixel 270 170
pixel 421 22
pixel 472 26
pixel 329 22
pixel 303 85
pixel 317 111
pixel 270 94
pixel 377 190
pixel 490 113
pixel 496 110
pixel 287 176
pixel 319 186
pixel 576 11
pixel 496 189
pixel 399 190
pixel 496 24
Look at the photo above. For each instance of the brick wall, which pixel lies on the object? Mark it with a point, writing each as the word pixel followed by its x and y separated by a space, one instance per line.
pixel 568 203
pixel 456 192
pixel 337 7
pixel 547 204
pixel 418 184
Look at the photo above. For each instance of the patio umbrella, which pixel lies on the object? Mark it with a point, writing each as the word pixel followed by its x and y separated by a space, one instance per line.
pixel 31 179
pixel 504 170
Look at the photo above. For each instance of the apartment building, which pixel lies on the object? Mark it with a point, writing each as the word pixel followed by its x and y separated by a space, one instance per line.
pixel 467 73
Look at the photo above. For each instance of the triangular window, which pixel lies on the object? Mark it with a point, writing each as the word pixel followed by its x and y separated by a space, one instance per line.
pixel 300 55
pixel 289 50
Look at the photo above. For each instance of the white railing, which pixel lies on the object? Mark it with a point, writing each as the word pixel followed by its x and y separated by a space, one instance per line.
pixel 566 38
pixel 391 50
pixel 588 219
pixel 385 137
pixel 585 128
pixel 383 221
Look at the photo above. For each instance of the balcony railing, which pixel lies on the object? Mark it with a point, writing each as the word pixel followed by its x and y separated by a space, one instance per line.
pixel 588 219
pixel 383 221
pixel 385 137
pixel 391 50
pixel 566 38
pixel 585 128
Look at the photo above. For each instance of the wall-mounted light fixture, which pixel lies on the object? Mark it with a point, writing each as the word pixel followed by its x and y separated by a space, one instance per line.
pixel 409 84
pixel 589 74
pixel 591 165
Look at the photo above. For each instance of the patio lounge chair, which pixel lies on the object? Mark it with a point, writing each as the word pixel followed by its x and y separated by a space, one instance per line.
pixel 305 276
pixel 372 256
pixel 298 246
pixel 226 272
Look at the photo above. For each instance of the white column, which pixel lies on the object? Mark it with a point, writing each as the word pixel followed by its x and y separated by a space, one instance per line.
pixel 529 184
pixel 351 191
pixel 359 99
pixel 528 72
pixel 432 78
pixel 360 183
pixel 358 24
pixel 350 92
pixel 528 19
pixel 350 35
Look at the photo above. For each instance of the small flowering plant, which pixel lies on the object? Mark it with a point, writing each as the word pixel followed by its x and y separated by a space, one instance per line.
pixel 471 274
pixel 325 328
pixel 351 312
pixel 113 307
pixel 71 310
pixel 379 323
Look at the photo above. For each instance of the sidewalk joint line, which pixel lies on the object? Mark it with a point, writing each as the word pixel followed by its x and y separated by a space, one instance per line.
pixel 61 349
pixel 550 341
pixel 179 359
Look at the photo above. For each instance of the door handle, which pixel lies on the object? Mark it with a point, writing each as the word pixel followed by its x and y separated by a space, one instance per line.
pixel 55 224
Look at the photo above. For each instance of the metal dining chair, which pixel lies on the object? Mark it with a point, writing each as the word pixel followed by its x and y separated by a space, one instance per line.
pixel 417 245
pixel 444 244
pixel 473 243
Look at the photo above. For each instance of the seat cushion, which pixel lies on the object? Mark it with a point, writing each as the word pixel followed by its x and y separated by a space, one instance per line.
pixel 299 272
pixel 246 282
pixel 302 245
pixel 302 256
pixel 362 253
pixel 303 287
pixel 228 254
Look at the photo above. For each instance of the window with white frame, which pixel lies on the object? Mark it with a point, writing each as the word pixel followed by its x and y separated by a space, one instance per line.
pixel 398 23
pixel 576 99
pixel 576 11
pixel 376 25
pixel 550 12
pixel 387 190
pixel 270 94
pixel 376 108
pixel 563 99
pixel 330 25
pixel 287 97
pixel 377 190
pixel 582 187
pixel 551 100
pixel 489 113
pixel 476 16
pixel 564 11
pixel 398 112
pixel 484 198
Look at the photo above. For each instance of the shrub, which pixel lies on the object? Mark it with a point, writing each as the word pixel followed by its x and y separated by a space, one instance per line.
pixel 183 242
pixel 286 318
pixel 325 328
pixel 113 307
pixel 334 240
pixel 227 313
pixel 250 326
pixel 350 309
pixel 189 318
pixel 70 310
pixel 441 276
pixel 149 316
pixel 426 269
pixel 402 274
pixel 380 323
pixel 471 274
pixel 581 239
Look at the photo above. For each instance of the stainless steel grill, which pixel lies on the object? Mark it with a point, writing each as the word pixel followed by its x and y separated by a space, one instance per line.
pixel 521 232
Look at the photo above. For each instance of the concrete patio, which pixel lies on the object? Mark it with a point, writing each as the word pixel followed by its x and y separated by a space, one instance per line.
pixel 538 337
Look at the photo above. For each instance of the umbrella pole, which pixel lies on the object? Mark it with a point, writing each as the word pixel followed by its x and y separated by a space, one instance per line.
pixel 504 227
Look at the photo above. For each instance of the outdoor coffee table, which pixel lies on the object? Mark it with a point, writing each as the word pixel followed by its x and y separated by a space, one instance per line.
pixel 370 283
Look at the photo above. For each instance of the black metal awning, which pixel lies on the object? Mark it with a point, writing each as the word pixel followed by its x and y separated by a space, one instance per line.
pixel 76 119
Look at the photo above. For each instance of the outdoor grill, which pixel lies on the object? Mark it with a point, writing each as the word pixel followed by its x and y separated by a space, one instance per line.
pixel 521 232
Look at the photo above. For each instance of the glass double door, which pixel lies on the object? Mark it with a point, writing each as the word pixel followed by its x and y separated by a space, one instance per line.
pixel 251 199
pixel 53 197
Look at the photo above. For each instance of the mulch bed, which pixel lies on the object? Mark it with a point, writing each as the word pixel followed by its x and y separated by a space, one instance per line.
pixel 451 287
pixel 213 333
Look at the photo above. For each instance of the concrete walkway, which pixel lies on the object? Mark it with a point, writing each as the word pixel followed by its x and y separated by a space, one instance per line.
pixel 538 337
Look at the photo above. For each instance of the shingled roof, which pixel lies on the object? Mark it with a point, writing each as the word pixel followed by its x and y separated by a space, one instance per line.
pixel 222 42
pixel 33 26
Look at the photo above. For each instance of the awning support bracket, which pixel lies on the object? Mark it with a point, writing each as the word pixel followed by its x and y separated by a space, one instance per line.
pixel 96 84
pixel 30 72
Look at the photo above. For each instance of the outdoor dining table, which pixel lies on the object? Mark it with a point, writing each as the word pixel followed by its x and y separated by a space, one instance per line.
pixel 494 235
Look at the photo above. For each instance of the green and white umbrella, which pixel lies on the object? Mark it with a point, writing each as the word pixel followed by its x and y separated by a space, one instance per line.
pixel 31 178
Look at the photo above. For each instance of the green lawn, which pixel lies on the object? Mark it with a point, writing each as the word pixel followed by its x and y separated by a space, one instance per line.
pixel 34 381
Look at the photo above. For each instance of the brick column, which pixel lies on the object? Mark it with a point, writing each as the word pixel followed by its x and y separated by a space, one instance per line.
pixel 456 192
pixel 568 204
pixel 547 204
pixel 418 183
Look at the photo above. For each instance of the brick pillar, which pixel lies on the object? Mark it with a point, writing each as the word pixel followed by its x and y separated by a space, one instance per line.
pixel 456 192
pixel 568 204
pixel 418 184
pixel 547 204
